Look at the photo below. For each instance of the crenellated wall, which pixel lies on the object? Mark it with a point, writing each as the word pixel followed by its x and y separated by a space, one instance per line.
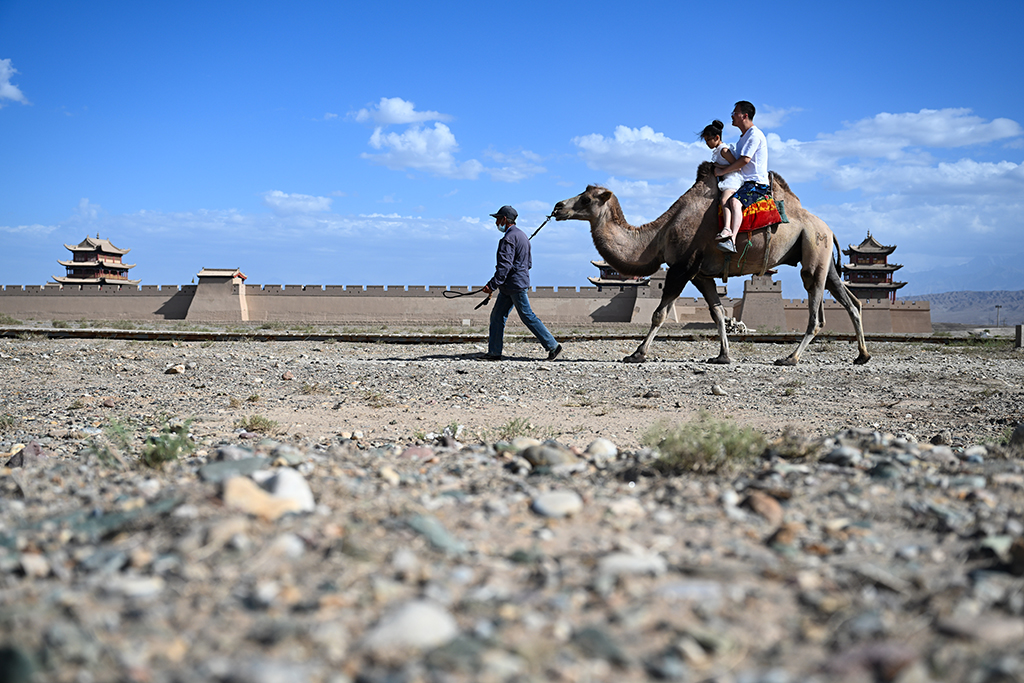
pixel 97 302
pixel 229 299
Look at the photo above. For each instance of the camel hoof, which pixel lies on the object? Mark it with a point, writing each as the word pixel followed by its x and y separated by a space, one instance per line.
pixel 862 359
pixel 788 360
pixel 720 360
pixel 635 358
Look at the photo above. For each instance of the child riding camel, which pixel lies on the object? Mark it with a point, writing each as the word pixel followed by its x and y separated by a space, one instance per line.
pixel 723 155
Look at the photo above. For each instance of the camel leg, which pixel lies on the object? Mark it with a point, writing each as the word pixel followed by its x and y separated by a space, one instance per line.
pixel 845 297
pixel 675 280
pixel 814 283
pixel 709 291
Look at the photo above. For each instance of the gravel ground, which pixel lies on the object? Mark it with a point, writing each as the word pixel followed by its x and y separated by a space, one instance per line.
pixel 382 512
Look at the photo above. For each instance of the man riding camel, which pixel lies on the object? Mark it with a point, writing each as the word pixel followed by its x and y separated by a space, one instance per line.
pixel 752 163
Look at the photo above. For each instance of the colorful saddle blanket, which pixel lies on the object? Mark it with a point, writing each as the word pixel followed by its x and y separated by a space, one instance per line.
pixel 760 214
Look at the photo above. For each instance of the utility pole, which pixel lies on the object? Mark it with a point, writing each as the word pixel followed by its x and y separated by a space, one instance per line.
pixel 998 306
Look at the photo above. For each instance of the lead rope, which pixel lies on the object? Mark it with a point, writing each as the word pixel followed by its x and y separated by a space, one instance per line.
pixel 456 295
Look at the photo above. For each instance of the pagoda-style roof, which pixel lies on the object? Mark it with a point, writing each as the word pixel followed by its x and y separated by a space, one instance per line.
pixel 614 282
pixel 221 272
pixel 96 263
pixel 869 246
pixel 96 244
pixel 875 267
pixel 886 286
pixel 105 280
pixel 610 276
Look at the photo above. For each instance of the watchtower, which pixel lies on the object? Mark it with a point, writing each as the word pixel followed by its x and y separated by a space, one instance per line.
pixel 869 274
pixel 96 262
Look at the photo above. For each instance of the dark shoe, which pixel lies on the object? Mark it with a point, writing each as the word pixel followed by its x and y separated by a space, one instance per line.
pixel 728 246
pixel 553 353
pixel 488 356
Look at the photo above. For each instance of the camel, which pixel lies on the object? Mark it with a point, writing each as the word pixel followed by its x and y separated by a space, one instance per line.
pixel 683 238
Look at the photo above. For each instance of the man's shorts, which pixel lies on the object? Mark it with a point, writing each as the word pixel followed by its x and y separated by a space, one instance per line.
pixel 750 192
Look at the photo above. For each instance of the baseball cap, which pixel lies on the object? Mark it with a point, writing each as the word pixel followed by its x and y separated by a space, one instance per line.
pixel 508 213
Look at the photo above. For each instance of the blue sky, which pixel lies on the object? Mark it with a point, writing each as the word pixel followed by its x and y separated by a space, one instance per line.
pixel 344 143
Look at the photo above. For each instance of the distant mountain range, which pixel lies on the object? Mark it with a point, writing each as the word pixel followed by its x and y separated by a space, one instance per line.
pixel 974 308
pixel 983 274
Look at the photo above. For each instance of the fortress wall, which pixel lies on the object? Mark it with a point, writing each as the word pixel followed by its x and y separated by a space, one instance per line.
pixel 226 301
pixel 912 317
pixel 876 317
pixel 97 302
pixel 378 303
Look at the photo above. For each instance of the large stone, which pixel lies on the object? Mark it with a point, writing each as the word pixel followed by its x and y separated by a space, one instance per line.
pixel 418 625
pixel 246 495
pixel 558 504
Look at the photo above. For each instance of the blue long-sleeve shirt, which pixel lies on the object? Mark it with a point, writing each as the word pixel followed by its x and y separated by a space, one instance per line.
pixel 514 261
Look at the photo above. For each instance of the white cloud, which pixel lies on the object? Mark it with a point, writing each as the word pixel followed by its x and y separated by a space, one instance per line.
pixel 424 149
pixel 470 219
pixel 770 117
pixel 87 210
pixel 34 229
pixel 9 91
pixel 395 110
pixel 640 153
pixel 283 203
pixel 514 167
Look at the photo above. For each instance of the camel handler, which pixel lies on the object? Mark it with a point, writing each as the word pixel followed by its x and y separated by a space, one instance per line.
pixel 512 282
pixel 752 163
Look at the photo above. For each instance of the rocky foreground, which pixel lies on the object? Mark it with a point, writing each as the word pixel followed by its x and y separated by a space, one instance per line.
pixel 296 511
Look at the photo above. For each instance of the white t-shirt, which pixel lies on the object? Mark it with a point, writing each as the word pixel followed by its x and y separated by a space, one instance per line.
pixel 753 144
pixel 730 181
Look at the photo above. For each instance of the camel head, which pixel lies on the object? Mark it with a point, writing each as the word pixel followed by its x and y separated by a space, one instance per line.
pixel 590 205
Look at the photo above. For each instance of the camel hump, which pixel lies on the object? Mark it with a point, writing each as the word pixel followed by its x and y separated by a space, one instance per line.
pixel 779 182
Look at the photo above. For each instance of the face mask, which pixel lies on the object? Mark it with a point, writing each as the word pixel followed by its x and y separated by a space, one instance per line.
pixel 501 228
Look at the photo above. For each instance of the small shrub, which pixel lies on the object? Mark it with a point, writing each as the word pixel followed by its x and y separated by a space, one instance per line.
pixel 235 402
pixel 61 324
pixel 521 426
pixel 122 325
pixel 705 445
pixel 254 398
pixel 170 444
pixel 8 320
pixel 313 388
pixel 8 423
pixel 376 399
pixel 257 423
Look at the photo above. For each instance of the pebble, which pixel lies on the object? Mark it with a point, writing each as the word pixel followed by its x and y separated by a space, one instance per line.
pixel 549 454
pixel 844 456
pixel 558 504
pixel 246 495
pixel 287 484
pixel 417 625
pixel 619 564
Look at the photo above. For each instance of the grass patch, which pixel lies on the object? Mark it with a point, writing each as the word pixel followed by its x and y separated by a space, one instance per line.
pixel 519 426
pixel 258 423
pixel 60 324
pixel 315 388
pixel 8 423
pixel 705 445
pixel 8 320
pixel 376 399
pixel 234 402
pixel 169 445
pixel 254 398
pixel 122 325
